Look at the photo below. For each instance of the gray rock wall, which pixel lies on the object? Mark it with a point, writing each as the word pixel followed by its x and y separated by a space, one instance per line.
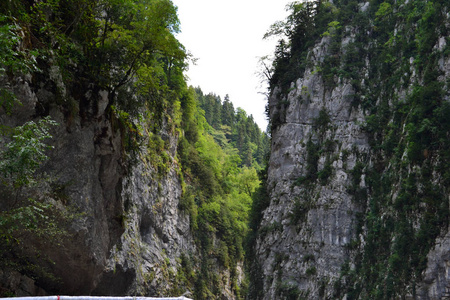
pixel 311 228
pixel 308 253
pixel 127 233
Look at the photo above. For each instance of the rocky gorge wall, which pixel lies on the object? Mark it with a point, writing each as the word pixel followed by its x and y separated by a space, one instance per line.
pixel 317 238
pixel 128 233
pixel 297 250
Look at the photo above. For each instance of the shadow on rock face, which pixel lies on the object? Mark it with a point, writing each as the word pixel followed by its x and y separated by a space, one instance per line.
pixel 115 282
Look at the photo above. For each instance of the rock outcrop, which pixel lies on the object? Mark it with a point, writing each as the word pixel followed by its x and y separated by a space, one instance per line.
pixel 127 233
pixel 307 251
pixel 316 237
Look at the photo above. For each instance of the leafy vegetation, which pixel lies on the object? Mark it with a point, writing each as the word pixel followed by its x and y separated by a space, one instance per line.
pixel 219 190
pixel 12 60
pixel 26 223
pixel 25 153
pixel 236 127
pixel 404 155
pixel 305 23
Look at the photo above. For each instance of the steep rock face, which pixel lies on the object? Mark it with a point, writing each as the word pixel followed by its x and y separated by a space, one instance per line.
pixel 436 280
pixel 127 233
pixel 156 234
pixel 299 251
pixel 316 236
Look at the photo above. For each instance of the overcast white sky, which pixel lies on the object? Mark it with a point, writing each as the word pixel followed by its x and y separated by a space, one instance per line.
pixel 226 38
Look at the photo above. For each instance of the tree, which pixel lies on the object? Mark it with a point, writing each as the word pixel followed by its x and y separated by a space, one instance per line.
pixel 12 60
pixel 299 29
pixel 227 112
pixel 217 113
pixel 248 181
pixel 138 36
pixel 22 220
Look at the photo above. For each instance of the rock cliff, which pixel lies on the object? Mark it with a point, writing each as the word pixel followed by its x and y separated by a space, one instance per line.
pixel 308 227
pixel 128 233
pixel 348 201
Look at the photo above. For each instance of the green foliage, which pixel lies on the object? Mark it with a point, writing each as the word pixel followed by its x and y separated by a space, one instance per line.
pixel 110 43
pixel 322 121
pixel 28 228
pixel 404 135
pixel 311 271
pixel 28 225
pixel 359 193
pixel 288 291
pixel 324 174
pixel 132 133
pixel 300 30
pixel 247 181
pixel 219 194
pixel 299 212
pixel 312 158
pixel 25 152
pixel 187 203
pixel 332 28
pixel 12 59
pixel 260 202
pixel 384 10
pixel 30 219
pixel 309 258
pixel 234 127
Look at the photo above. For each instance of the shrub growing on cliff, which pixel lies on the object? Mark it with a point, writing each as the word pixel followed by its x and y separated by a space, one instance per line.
pixel 13 59
pixel 25 153
pixel 27 223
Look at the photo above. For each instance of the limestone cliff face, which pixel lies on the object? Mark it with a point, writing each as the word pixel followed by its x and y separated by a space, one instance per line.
pixel 300 252
pixel 128 233
pixel 315 237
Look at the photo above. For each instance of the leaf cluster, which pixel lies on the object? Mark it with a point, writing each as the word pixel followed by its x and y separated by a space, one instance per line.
pixel 13 59
pixel 297 33
pixel 25 152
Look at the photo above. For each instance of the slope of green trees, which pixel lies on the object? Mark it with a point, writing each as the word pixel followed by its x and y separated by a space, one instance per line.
pixel 128 48
pixel 218 195
pixel 235 126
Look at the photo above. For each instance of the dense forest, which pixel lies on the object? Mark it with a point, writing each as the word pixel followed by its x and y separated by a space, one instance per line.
pixel 229 151
pixel 126 50
pixel 235 126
